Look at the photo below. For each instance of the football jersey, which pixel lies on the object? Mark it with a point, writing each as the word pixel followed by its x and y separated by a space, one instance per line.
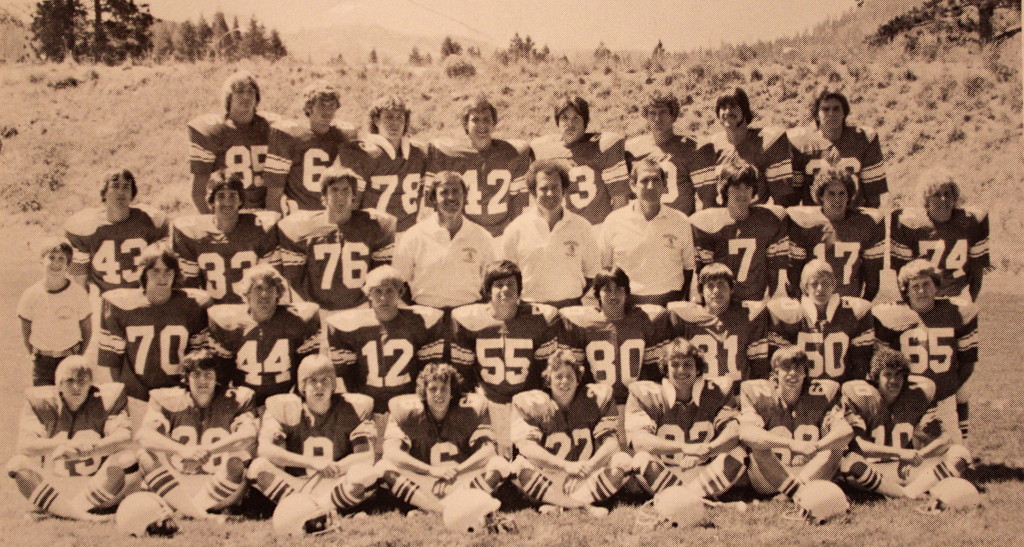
pixel 327 263
pixel 463 430
pixel 505 358
pixel 346 427
pixel 494 177
pixel 755 248
pixel 267 354
pixel 216 261
pixel 857 151
pixel 839 344
pixel 687 165
pixel 892 424
pixel 652 407
pixel 394 178
pixel 617 353
pixel 298 157
pixel 762 406
pixel 110 252
pixel 217 143
pixel 572 433
pixel 597 171
pixel 734 344
pixel 769 151
pixel 172 412
pixel 47 416
pixel 383 359
pixel 147 342
pixel 939 343
pixel 958 247
pixel 853 246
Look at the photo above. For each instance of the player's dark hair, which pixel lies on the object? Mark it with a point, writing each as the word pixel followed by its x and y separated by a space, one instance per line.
pixel 826 95
pixel 887 359
pixel 562 358
pixel 715 271
pixel 219 180
pixel 316 93
pixel 736 171
pixel 612 275
pixel 159 252
pixel 115 176
pixel 335 174
pixel 387 102
pixel 443 372
pixel 233 83
pixel 498 270
pixel 578 104
pixel 788 356
pixel 679 348
pixel 658 98
pixel 479 104
pixel 736 97
pixel 551 168
pixel 205 359
pixel 52 244
pixel 917 268
pixel 829 176
pixel 441 179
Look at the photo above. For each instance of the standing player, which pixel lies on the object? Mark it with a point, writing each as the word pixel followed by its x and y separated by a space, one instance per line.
pixel 938 335
pixel 109 240
pixel 198 439
pixel 684 429
pixel 597 161
pixel 555 248
pixel 850 239
pixel 651 243
pixel 264 339
pixel 751 240
pixel 492 168
pixel 233 142
pixel 395 164
pixel 687 164
pixel 73 437
pixel 326 255
pixel 145 332
pixel 831 142
pixel 217 249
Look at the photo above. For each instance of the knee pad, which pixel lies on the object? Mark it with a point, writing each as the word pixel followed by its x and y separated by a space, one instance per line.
pixel 259 465
pixel 732 467
pixel 18 463
pixel 958 458
pixel 125 460
pixel 234 469
pixel 147 461
pixel 621 461
pixel 362 475
pixel 498 464
pixel 849 460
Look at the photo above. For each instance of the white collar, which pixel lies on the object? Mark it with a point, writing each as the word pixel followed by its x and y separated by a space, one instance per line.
pixel 811 311
pixel 668 391
pixel 386 146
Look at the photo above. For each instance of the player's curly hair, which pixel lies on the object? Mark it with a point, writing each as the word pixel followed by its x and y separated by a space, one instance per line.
pixel 388 102
pixel 736 171
pixel 829 176
pixel 715 271
pixel 612 275
pixel 660 98
pixel 550 167
pixel 562 358
pixel 205 359
pixel 263 274
pixel 442 372
pixel 236 82
pixel 221 180
pixel 159 252
pixel 115 176
pixel 335 174
pixel 789 356
pixel 825 95
pixel 932 181
pixel 885 358
pixel 916 269
pixel 498 270
pixel 814 269
pixel 317 93
pixel 736 97
pixel 480 103
pixel 441 179
pixel 681 348
pixel 575 102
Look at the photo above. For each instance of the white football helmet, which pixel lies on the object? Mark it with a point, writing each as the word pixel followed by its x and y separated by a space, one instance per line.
pixel 473 510
pixel 146 514
pixel 955 493
pixel 673 507
pixel 299 515
pixel 819 501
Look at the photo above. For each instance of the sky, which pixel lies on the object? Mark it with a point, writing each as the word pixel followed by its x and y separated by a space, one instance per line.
pixel 564 25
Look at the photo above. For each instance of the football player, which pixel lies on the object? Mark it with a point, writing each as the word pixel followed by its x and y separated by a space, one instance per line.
pixel 443 256
pixel 73 437
pixel 109 240
pixel 836 332
pixel 651 243
pixel 733 336
pixel 565 434
pixel 396 163
pixel 938 335
pixel 831 142
pixel 900 448
pixel 198 439
pixel 263 338
pixel 684 429
pixel 217 249
pixel 502 344
pixel 492 168
pixel 687 164
pixel 145 332
pixel 317 442
pixel 439 441
pixel 301 152
pixel 851 239
pixel 235 142
pixel 766 148
pixel 325 255
pixel 597 161
pixel 555 247
pixel 793 426
pixel 751 240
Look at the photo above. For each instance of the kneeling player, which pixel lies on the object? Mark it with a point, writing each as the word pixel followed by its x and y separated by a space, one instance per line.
pixel 71 456
pixel 566 436
pixel 198 439
pixel 901 447
pixel 793 426
pixel 684 430
pixel 317 442
pixel 439 441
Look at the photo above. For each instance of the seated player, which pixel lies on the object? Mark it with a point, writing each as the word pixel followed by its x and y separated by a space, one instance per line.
pixel 264 339
pixel 793 426
pixel 684 430
pixel 317 442
pixel 198 439
pixel 569 456
pixel 900 448
pixel 73 454
pixel 439 441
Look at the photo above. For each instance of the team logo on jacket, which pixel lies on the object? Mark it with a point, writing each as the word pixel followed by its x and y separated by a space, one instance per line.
pixel 570 247
pixel 469 255
pixel 670 240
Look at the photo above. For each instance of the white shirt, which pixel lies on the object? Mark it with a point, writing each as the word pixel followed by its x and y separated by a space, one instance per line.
pixel 444 271
pixel 653 253
pixel 555 262
pixel 55 316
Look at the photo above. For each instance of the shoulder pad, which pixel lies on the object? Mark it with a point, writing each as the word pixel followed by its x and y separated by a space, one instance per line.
pixel 287 126
pixel 126 299
pixel 352 320
pixel 898 317
pixel 297 225
pixel 266 219
pixel 580 315
pixel 828 388
pixel 923 384
pixel 534 404
pixel 475 401
pixel 521 146
pixel 41 398
pixel 754 308
pixel 786 310
pixel 172 399
pixel 720 383
pixel 242 395
pixel 608 140
pixel 862 394
pixel 800 133
pixel 348 130
pixel 473 316
pixel 228 316
pixel 653 311
pixel 548 146
pixel 868 133
pixel 429 315
pixel 304 310
pixel 418 145
pixel 691 312
pixel 756 390
pixel 913 218
pixel 968 310
pixel 639 145
pixel 978 215
pixel 405 407
pixel 362 403
pixel 158 217
pixel 647 394
pixel 199 296
pixel 711 220
pixel 777 210
pixel 602 394
pixel 286 408
pixel 806 216
pixel 112 394
pixel 84 222
pixel 859 306
pixel 769 135
pixel 550 313
pixel 192 226
pixel 207 124
pixel 874 214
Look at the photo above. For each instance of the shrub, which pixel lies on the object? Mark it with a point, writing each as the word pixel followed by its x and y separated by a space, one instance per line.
pixel 457 66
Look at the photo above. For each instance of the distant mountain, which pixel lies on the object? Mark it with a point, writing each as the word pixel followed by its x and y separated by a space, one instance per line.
pixel 355 41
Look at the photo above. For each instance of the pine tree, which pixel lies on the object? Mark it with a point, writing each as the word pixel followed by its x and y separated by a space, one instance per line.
pixel 186 44
pixel 373 56
pixel 56 28
pixel 204 34
pixel 450 47
pixel 275 47
pixel 254 42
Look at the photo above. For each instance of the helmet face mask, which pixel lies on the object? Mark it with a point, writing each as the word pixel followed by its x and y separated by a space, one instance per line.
pixel 819 501
pixel 472 511
pixel 300 515
pixel 165 527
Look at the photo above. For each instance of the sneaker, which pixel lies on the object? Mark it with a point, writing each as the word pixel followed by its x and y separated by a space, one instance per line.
pixel 548 509
pixel 597 512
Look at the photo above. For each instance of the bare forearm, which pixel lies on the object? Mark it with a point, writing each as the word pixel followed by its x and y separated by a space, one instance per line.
pixel 537 454
pixel 477 460
pixel 605 452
